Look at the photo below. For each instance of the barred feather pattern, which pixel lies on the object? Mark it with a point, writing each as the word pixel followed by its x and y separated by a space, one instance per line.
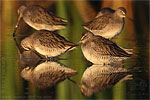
pixel 97 78
pixel 39 18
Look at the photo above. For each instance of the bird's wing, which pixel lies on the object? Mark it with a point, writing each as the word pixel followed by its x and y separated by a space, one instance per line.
pixel 53 40
pixel 100 78
pixel 107 47
pixel 48 77
pixel 40 15
pixel 58 19
pixel 50 73
pixel 98 23
pixel 105 81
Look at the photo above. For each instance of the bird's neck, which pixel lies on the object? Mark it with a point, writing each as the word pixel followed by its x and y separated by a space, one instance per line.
pixel 116 16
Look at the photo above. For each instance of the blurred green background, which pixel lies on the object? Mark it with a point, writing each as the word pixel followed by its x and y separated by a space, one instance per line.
pixel 134 35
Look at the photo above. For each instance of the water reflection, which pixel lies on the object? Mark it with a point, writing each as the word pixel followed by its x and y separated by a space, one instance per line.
pixel 97 78
pixel 28 58
pixel 47 74
pixel 134 35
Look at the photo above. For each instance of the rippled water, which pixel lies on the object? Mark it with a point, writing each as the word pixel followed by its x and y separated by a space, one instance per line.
pixel 13 85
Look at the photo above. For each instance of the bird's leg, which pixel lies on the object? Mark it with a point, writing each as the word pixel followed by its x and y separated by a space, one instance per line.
pixel 122 63
pixel 74 82
pixel 47 58
pixel 51 58
pixel 54 59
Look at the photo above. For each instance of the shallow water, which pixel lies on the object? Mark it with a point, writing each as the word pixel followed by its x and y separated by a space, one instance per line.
pixel 134 35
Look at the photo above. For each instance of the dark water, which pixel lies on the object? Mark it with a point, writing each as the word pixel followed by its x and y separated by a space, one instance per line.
pixel 135 35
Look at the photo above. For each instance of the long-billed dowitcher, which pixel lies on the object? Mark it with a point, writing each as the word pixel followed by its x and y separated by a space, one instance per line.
pixel 47 43
pixel 40 18
pixel 99 50
pixel 97 78
pixel 108 25
pixel 47 74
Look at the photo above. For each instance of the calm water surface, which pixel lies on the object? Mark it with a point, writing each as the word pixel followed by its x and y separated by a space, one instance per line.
pixel 134 35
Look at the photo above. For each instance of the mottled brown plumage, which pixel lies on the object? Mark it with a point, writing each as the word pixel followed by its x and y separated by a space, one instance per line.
pixel 97 49
pixel 47 74
pixel 104 11
pixel 107 25
pixel 39 18
pixel 47 43
pixel 98 78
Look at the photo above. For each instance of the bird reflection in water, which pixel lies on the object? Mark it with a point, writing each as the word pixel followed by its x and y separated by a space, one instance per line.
pixel 97 78
pixel 41 73
pixel 28 58
pixel 47 74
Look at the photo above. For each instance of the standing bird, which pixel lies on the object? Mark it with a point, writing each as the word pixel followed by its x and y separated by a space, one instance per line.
pixel 39 18
pixel 47 74
pixel 47 43
pixel 107 25
pixel 99 50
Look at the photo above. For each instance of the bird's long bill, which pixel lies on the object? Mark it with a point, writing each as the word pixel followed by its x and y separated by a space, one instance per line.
pixel 81 40
pixel 129 18
pixel 14 33
pixel 78 85
pixel 18 46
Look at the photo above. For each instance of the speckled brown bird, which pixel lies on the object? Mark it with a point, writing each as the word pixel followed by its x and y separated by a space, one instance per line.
pixel 99 50
pixel 47 74
pixel 47 43
pixel 40 18
pixel 98 78
pixel 108 25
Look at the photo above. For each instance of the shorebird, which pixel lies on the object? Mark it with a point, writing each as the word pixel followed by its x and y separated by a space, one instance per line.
pixel 97 78
pixel 47 74
pixel 40 18
pixel 107 25
pixel 47 43
pixel 99 50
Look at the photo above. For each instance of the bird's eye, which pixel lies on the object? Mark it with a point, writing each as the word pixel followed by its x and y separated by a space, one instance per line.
pixel 84 36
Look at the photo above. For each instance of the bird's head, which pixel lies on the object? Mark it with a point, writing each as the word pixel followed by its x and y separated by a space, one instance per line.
pixel 86 36
pixel 86 91
pixel 26 73
pixel 21 10
pixel 121 11
pixel 26 43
